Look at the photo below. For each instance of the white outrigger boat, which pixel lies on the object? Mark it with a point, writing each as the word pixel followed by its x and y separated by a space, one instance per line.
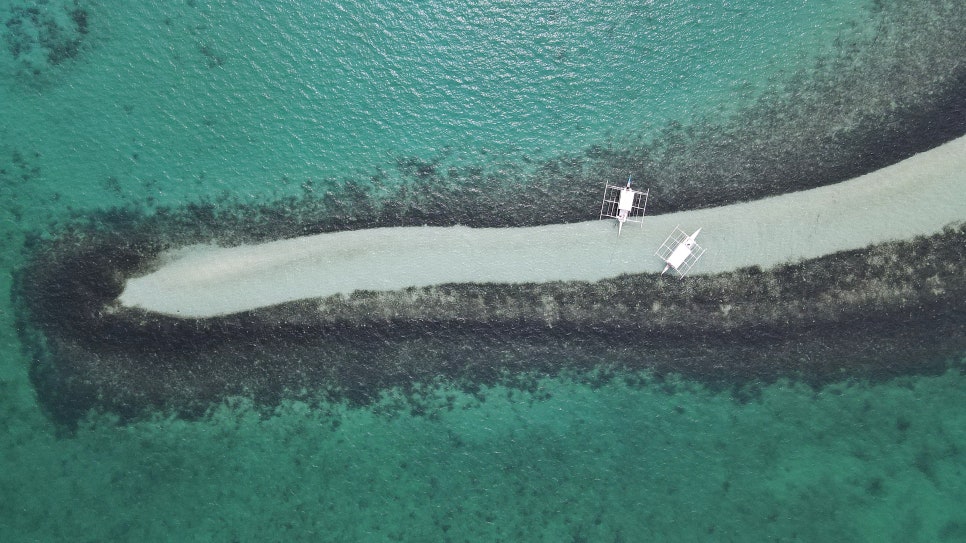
pixel 624 204
pixel 680 251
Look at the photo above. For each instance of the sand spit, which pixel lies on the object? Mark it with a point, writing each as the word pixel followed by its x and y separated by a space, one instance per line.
pixel 917 196
pixel 882 298
pixel 873 313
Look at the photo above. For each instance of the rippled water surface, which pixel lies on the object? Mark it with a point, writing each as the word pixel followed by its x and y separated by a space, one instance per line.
pixel 191 100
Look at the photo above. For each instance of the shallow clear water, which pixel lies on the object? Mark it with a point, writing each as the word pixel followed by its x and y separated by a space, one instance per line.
pixel 182 101
pixel 166 103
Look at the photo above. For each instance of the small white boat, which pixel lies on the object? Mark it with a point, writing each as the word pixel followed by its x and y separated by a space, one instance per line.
pixel 680 251
pixel 624 204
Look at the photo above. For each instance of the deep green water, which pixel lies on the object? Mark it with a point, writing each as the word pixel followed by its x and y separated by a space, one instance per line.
pixel 167 103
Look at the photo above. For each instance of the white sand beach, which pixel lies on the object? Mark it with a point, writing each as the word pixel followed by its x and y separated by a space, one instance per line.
pixel 918 196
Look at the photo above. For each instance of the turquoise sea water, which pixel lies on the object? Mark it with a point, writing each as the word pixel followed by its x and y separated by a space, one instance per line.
pixel 175 101
pixel 171 103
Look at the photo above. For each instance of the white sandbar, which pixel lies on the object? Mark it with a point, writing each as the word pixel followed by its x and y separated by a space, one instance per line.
pixel 917 196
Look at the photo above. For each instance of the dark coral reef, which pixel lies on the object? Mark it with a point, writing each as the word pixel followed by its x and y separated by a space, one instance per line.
pixel 878 312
